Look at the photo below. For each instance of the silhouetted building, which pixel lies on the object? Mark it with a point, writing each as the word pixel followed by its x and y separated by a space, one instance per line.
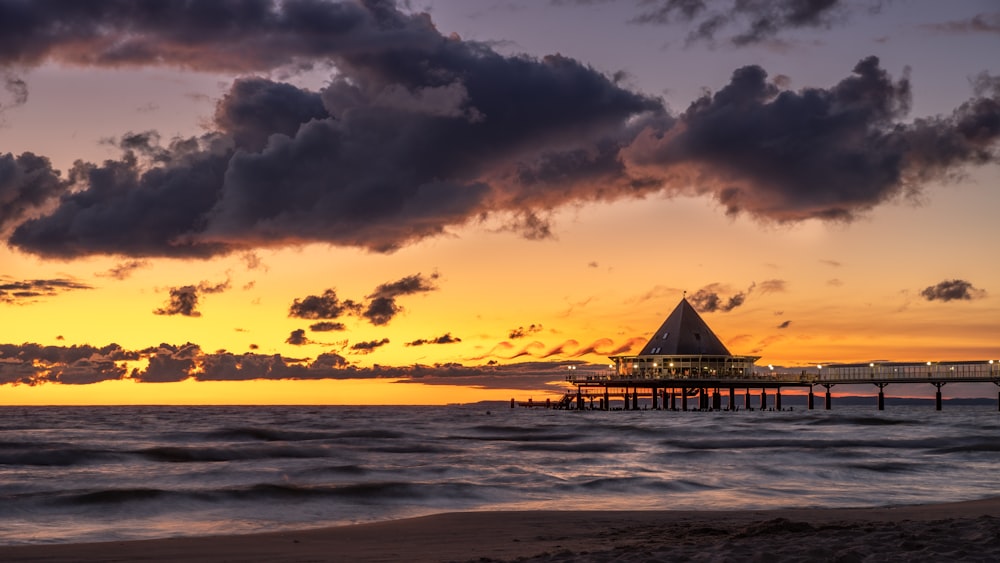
pixel 683 346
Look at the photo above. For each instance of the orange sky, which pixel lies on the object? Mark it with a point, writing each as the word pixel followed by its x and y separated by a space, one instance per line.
pixel 511 309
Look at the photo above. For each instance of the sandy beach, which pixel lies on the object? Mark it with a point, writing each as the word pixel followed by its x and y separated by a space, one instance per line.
pixel 963 531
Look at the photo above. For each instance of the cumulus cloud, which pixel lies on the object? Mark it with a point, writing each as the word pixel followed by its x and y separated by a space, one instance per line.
pixel 15 92
pixel 743 22
pixel 23 291
pixel 521 332
pixel 325 306
pixel 709 299
pixel 988 23
pixel 952 290
pixel 298 338
pixel 380 309
pixel 369 346
pixel 382 306
pixel 446 338
pixel 34 364
pixel 326 326
pixel 184 300
pixel 124 270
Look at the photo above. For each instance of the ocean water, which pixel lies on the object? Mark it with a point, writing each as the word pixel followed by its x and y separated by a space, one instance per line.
pixel 110 473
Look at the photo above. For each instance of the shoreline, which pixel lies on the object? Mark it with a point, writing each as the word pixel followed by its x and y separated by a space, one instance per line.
pixel 959 531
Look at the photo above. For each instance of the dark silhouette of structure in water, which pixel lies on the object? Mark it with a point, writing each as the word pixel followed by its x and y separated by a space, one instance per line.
pixel 684 361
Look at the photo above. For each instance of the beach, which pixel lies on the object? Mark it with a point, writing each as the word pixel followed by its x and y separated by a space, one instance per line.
pixel 963 531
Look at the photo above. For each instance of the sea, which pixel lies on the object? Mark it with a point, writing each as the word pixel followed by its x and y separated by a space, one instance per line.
pixel 73 474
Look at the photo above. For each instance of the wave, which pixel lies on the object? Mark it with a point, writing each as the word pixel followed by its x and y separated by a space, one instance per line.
pixel 366 492
pixel 52 455
pixel 188 454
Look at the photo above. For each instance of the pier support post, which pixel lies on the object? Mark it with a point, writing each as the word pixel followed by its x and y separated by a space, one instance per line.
pixel 811 397
pixel 746 401
pixel 673 399
pixel 656 402
pixel 777 399
pixel 625 407
pixel 763 399
pixel 937 395
pixel 635 398
pixel 579 399
pixel 881 396
pixel 607 399
pixel 732 398
pixel 717 405
pixel 829 400
pixel 684 398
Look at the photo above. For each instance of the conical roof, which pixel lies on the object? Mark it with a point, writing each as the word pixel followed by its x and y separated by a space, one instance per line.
pixel 684 333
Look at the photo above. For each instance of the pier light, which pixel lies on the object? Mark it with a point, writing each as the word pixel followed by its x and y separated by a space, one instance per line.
pixel 654 364
pixel 871 365
pixel 928 363
pixel 672 364
pixel 770 367
pixel 819 366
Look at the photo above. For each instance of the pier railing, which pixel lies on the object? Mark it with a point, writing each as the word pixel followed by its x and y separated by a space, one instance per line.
pixel 872 372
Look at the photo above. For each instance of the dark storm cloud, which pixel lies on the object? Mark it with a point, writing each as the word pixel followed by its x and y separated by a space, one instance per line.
pixel 27 182
pixel 952 290
pixel 743 22
pixel 125 207
pixel 417 133
pixel 228 35
pixel 819 153
pixel 256 108
pixel 19 291
pixel 443 339
pixel 709 299
pixel 184 300
pixel 326 326
pixel 521 332
pixel 369 346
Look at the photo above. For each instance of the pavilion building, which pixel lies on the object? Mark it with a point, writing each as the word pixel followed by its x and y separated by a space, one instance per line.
pixel 684 347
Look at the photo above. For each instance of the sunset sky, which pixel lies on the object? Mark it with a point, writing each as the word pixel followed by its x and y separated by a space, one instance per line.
pixel 434 201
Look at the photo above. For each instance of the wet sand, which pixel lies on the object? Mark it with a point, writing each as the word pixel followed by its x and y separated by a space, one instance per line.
pixel 964 531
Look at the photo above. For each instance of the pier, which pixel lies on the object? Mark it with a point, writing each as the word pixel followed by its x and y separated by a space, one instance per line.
pixel 685 363
pixel 761 389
